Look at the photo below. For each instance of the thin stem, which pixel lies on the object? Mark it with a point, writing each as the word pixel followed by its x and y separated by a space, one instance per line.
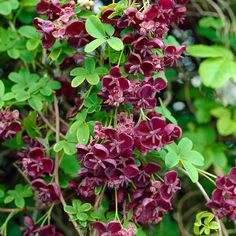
pixel 116 202
pixel 57 160
pixel 22 173
pixel 207 177
pixel 206 173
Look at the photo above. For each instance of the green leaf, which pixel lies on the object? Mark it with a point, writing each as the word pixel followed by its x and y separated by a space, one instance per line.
pixel 78 71
pixel 30 125
pixel 58 146
pixel 101 70
pixel 69 209
pixel 76 204
pixel 28 31
pixel 13 53
pixel 22 95
pixel 69 148
pixel 70 165
pixel 226 126
pixel 32 44
pixel 95 28
pixel 55 53
pixel 2 89
pixel 171 159
pixel 8 199
pixel 213 22
pixel 20 202
pixel 215 72
pixel 185 145
pixel 191 170
pixel 5 8
pixel 2 193
pixel 115 43
pixel 194 157
pixel 85 207
pixel 82 216
pixel 78 80
pixel 93 79
pixel 110 30
pixel 36 103
pixel 89 65
pixel 94 44
pixel 83 133
pixel 205 51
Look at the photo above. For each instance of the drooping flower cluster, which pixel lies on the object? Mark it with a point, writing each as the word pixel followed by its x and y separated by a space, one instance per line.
pixel 60 24
pixel 150 204
pixel 30 228
pixel 117 90
pixel 109 158
pixel 35 164
pixel 9 124
pixel 149 27
pixel 223 199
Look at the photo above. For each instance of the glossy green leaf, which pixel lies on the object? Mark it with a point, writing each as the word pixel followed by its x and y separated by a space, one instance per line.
pixel 93 79
pixel 94 44
pixel 95 28
pixel 78 80
pixel 115 43
pixel 83 133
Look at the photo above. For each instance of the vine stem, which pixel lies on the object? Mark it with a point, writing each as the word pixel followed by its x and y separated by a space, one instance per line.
pixel 57 160
pixel 222 229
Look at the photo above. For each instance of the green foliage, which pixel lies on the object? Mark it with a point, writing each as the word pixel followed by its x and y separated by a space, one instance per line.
pixel 219 66
pixel 102 33
pixel 18 195
pixel 204 223
pixel 89 73
pixel 79 211
pixel 183 154
pixel 204 141
pixel 31 88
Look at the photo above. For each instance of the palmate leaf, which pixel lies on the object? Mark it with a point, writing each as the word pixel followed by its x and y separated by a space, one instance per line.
pixel 94 44
pixel 95 28
pixel 115 43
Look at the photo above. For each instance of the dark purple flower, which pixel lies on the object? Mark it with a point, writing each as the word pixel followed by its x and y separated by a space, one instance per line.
pixel 9 124
pixel 149 132
pixel 170 186
pixel 47 192
pixel 29 227
pixel 111 229
pixel 52 9
pixel 135 65
pixel 131 18
pixel 78 36
pixel 145 171
pixel 143 45
pixel 114 86
pixel 117 143
pixel 172 54
pixel 35 163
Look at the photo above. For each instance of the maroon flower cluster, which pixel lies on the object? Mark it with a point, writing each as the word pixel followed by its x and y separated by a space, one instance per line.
pixel 9 124
pixel 149 51
pixel 150 204
pixel 30 228
pixel 117 90
pixel 109 158
pixel 35 164
pixel 60 24
pixel 223 199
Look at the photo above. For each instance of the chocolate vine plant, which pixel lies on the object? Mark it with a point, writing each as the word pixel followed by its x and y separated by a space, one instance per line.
pixel 92 131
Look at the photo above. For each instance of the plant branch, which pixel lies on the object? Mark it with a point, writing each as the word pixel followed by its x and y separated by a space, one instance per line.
pixel 57 160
